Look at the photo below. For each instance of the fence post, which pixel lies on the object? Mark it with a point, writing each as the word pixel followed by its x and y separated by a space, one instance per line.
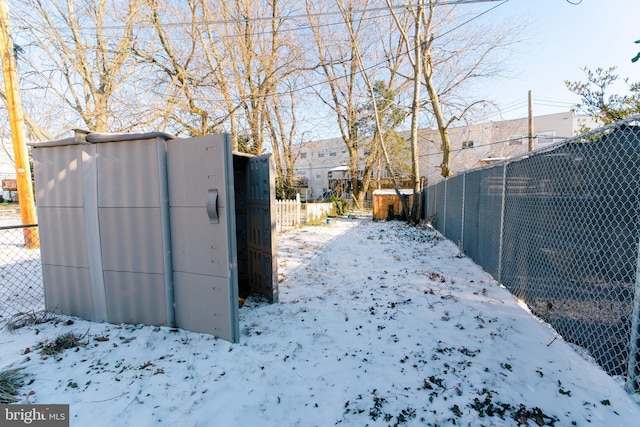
pixel 433 199
pixel 504 196
pixel 464 192
pixel 633 369
pixel 444 214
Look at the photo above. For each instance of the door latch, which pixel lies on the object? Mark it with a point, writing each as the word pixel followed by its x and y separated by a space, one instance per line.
pixel 212 206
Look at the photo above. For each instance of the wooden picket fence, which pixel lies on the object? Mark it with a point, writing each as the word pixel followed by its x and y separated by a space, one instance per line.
pixel 288 214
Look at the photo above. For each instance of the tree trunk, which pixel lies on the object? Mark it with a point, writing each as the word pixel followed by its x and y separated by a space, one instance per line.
pixel 414 215
pixel 437 112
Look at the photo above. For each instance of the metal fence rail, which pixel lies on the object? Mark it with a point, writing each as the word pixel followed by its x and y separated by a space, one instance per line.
pixel 560 229
pixel 21 288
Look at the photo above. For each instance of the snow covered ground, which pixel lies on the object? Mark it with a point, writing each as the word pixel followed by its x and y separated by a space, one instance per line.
pixel 379 323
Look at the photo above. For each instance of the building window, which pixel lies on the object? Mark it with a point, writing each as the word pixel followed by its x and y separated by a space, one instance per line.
pixel 518 141
pixel 303 155
pixel 318 176
pixel 546 137
pixel 467 144
pixel 320 154
pixel 332 154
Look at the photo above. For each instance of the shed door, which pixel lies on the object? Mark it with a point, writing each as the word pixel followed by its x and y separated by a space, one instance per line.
pixel 263 268
pixel 201 200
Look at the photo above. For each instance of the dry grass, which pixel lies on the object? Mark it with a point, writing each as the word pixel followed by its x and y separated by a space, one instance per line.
pixel 11 381
pixel 21 320
pixel 63 342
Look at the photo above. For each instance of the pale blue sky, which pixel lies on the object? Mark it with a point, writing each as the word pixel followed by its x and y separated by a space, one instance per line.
pixel 563 38
pixel 560 39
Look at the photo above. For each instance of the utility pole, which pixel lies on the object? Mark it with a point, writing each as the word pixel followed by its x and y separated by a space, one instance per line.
pixel 531 133
pixel 16 119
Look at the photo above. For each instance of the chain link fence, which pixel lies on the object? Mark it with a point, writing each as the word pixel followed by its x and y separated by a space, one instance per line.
pixel 21 288
pixel 560 228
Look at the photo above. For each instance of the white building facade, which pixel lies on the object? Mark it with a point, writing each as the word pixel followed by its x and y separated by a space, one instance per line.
pixel 471 147
pixel 7 165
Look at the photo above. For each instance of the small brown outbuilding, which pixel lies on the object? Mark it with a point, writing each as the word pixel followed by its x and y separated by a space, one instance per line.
pixel 387 204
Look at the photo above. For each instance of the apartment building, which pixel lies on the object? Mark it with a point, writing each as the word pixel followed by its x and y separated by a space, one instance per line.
pixel 7 167
pixel 321 162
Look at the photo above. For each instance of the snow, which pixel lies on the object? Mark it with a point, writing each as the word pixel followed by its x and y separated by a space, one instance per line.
pixel 19 267
pixel 379 323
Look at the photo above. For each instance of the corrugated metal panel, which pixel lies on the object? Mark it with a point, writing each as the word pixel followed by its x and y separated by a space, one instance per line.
pixel 116 226
pixel 63 181
pixel 128 174
pixel 136 298
pixel 58 174
pixel 133 229
pixel 131 240
pixel 64 240
pixel 67 291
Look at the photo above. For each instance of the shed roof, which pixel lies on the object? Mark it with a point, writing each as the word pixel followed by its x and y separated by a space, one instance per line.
pixel 391 192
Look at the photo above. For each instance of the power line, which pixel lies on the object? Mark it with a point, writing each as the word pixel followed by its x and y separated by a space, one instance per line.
pixel 363 11
pixel 489 144
pixel 86 30
pixel 475 17
pixel 384 61
pixel 540 101
pixel 288 17
pixel 409 49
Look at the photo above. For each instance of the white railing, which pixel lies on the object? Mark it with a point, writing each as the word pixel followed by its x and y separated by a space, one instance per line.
pixel 288 214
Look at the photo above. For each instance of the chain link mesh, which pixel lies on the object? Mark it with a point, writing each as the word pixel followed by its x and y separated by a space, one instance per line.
pixel 453 215
pixel 21 286
pixel 560 228
pixel 482 217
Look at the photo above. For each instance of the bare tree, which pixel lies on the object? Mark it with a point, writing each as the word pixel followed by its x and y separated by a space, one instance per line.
pixel 281 124
pixel 251 36
pixel 185 77
pixel 33 129
pixel 81 56
pixel 422 22
pixel 346 90
pixel 219 65
pixel 443 64
pixel 207 66
pixel 257 61
pixel 451 52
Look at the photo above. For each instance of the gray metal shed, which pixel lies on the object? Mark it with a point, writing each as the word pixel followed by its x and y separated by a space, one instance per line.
pixel 151 229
